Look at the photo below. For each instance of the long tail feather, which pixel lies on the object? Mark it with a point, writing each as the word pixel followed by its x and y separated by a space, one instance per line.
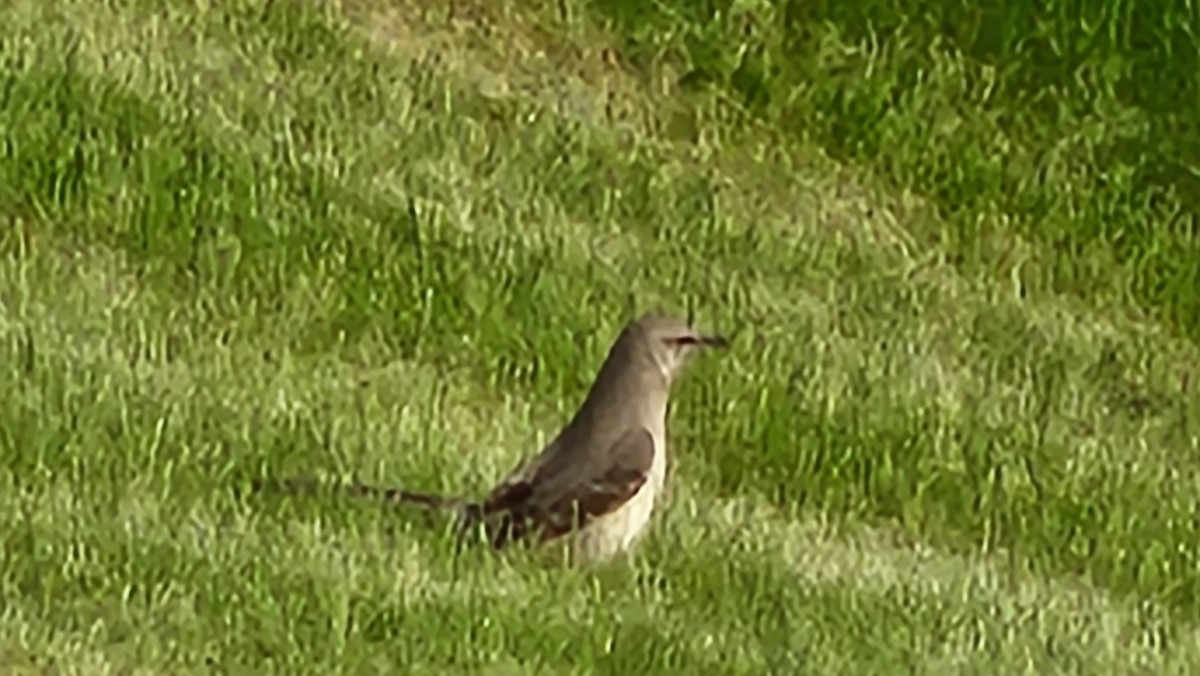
pixel 387 494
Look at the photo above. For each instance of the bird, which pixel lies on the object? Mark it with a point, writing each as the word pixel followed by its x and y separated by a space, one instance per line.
pixel 595 485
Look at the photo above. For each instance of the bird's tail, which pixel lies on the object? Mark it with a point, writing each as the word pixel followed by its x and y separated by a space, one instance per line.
pixel 468 515
pixel 387 494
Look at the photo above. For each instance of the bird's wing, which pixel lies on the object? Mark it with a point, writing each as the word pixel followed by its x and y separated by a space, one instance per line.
pixel 552 506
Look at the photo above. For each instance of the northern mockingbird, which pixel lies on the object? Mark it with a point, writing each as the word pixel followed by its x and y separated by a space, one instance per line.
pixel 594 486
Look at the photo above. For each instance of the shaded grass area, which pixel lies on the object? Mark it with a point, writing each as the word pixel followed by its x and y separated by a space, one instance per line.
pixel 327 260
pixel 1072 124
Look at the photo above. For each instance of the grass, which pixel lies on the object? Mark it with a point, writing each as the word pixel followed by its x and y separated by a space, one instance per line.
pixel 1070 124
pixel 273 238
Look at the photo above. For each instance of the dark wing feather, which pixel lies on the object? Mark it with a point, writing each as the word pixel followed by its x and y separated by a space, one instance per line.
pixel 555 508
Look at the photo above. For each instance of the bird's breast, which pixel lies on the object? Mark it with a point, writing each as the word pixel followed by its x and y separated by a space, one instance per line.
pixel 621 528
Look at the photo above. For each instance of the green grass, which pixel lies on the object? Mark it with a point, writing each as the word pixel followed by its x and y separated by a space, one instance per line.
pixel 1073 124
pixel 259 239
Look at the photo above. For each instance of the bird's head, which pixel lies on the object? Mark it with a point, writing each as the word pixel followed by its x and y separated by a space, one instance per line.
pixel 670 341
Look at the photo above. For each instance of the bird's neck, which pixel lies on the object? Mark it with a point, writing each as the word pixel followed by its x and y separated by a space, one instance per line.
pixel 623 392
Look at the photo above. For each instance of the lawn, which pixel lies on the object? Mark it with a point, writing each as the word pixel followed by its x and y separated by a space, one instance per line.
pixel 391 240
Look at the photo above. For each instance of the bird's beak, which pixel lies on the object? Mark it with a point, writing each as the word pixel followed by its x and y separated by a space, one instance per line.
pixel 706 340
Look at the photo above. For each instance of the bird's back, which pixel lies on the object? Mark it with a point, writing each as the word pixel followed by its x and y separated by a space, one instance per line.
pixel 584 449
pixel 611 455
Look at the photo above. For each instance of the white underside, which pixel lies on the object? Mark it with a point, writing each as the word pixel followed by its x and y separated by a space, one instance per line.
pixel 617 532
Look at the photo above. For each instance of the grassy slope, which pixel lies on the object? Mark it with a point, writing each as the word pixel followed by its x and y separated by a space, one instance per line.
pixel 1071 123
pixel 261 240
